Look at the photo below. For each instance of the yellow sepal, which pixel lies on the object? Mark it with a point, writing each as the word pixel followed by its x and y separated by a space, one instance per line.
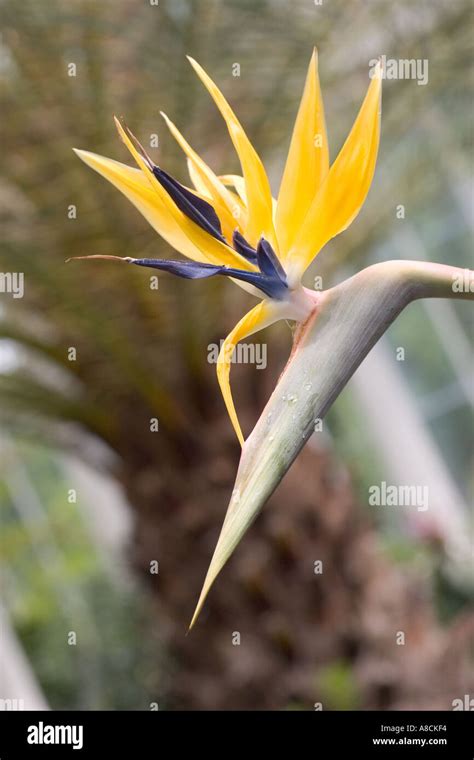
pixel 260 212
pixel 256 319
pixel 307 163
pixel 208 183
pixel 135 186
pixel 345 188
pixel 214 251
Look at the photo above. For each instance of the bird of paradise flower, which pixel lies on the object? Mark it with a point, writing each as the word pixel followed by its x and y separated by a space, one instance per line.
pixel 230 225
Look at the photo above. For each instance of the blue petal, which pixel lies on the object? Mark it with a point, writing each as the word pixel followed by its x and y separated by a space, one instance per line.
pixel 273 288
pixel 193 270
pixel 198 210
pixel 244 248
pixel 268 261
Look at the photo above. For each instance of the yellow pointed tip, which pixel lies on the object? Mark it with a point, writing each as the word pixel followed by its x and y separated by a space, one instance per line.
pixel 379 68
pixel 83 154
pixel 118 123
pixel 193 63
pixel 93 160
pixel 197 68
pixel 120 128
pixel 135 147
pixel 168 121
pixel 124 132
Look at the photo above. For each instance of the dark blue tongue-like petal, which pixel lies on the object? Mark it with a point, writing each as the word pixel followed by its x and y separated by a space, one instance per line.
pixel 268 261
pixel 200 211
pixel 193 270
pixel 272 277
pixel 244 248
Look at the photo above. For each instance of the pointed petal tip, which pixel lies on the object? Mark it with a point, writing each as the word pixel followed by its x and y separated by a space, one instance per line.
pixel 194 63
pixel 121 127
pixel 198 68
pixel 83 154
pixel 134 146
pixel 379 68
pixel 240 438
pixel 90 158
pixel 169 123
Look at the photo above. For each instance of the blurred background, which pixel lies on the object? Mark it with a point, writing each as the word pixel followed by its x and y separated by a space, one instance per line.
pixel 107 525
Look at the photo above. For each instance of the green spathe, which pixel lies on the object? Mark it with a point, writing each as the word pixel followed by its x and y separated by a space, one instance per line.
pixel 346 323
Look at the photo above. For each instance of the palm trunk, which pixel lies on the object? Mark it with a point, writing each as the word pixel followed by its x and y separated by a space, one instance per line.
pixel 305 637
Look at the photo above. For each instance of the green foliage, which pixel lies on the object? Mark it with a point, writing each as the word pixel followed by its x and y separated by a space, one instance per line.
pixel 337 687
pixel 56 584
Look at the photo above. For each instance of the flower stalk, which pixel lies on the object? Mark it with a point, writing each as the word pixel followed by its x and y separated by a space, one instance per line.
pixel 345 324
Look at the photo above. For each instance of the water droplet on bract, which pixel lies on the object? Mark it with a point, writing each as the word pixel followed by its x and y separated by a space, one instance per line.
pixel 291 398
pixel 271 438
pixel 308 386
